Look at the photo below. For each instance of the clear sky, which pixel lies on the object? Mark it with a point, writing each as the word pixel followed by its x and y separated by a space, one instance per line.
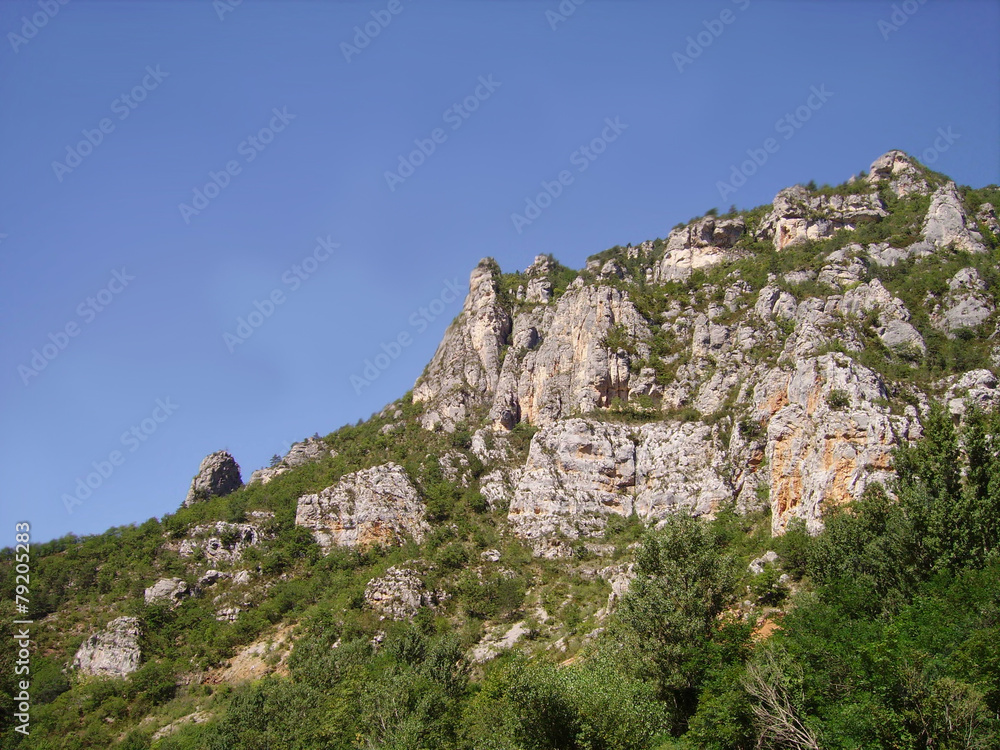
pixel 126 296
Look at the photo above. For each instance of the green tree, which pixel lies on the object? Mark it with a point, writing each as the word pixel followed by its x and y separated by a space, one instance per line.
pixel 667 621
pixel 929 485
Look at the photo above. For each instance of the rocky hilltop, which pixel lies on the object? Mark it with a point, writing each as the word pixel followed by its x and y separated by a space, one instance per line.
pixel 771 357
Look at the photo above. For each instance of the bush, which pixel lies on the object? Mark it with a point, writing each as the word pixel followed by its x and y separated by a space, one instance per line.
pixel 838 399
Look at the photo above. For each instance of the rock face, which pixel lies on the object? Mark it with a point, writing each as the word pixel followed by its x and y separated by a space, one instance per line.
pixel 374 506
pixel 559 360
pixel 466 366
pixel 947 223
pixel 576 474
pixel 218 475
pixel 399 594
pixel 826 438
pixel 967 303
pixel 113 652
pixel 798 215
pixel 678 468
pixel 170 590
pixel 580 471
pixel 698 245
pixel 897 170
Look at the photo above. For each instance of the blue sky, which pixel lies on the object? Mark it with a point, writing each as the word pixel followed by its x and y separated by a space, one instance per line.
pixel 96 242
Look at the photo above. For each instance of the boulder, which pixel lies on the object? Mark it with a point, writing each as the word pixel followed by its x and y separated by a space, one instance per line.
pixel 169 590
pixel 758 564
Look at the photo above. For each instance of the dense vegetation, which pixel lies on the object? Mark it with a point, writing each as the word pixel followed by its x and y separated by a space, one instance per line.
pixel 887 635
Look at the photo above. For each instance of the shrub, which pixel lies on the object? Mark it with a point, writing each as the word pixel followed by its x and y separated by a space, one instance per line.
pixel 838 399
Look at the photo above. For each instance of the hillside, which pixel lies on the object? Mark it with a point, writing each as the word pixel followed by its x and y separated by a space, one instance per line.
pixel 735 487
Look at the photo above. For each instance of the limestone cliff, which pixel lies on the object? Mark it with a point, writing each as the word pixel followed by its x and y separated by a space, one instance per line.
pixel 790 389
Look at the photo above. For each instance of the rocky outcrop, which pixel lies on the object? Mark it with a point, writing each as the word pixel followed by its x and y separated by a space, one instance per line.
pixel 466 366
pixel 826 437
pixel 892 322
pixel 265 475
pixel 620 578
pixel 976 388
pixel 308 451
pixel 899 172
pixel 758 564
pixel 678 467
pixel 498 639
pixel 967 304
pixel 947 224
pixel 400 593
pixel 798 215
pixel 986 216
pixel 219 542
pixel 168 590
pixel 211 577
pixel 377 506
pixel 112 652
pixel 198 717
pixel 539 288
pixel 560 361
pixel 218 475
pixel 698 245
pixel 579 472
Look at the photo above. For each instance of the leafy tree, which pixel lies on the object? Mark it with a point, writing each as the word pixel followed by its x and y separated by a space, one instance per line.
pixel 667 621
